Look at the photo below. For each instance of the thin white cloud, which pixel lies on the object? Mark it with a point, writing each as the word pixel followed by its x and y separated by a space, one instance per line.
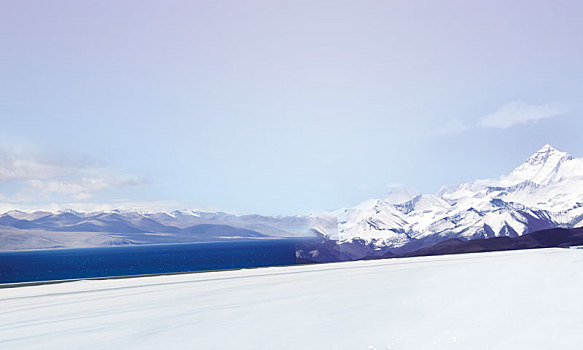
pixel 19 167
pixel 33 177
pixel 517 112
pixel 510 114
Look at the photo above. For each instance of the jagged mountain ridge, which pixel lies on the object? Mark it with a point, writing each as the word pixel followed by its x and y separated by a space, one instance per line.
pixel 546 191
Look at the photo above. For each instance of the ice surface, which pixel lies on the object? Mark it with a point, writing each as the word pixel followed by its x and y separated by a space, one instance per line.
pixel 505 300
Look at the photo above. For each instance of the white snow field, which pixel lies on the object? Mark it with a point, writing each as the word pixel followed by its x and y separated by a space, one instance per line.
pixel 529 299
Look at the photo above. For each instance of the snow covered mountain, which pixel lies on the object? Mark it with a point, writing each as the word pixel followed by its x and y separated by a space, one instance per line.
pixel 544 192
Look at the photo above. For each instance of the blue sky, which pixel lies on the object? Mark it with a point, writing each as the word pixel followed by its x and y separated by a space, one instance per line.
pixel 277 107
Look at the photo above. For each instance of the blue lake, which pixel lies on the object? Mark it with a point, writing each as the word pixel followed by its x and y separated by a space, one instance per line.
pixel 61 264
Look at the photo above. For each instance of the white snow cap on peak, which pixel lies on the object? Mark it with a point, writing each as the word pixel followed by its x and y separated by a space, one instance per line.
pixel 542 167
pixel 548 154
pixel 547 148
pixel 546 151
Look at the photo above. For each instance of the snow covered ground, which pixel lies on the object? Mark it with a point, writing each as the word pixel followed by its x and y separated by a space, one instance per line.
pixel 529 299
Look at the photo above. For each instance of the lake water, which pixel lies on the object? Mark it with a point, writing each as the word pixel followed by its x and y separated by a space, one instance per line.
pixel 61 264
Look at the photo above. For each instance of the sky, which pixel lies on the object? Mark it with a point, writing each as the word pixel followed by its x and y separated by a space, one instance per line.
pixel 277 107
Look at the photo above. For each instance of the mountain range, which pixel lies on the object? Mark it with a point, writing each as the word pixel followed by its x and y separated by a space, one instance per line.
pixel 545 192
pixel 70 229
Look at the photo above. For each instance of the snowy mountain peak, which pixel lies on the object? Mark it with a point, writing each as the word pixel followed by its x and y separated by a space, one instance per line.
pixel 541 168
pixel 547 148
pixel 547 153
